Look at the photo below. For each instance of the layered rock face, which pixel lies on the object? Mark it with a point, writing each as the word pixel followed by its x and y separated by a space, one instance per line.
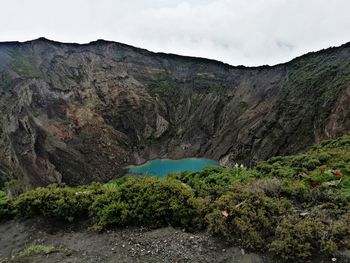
pixel 80 113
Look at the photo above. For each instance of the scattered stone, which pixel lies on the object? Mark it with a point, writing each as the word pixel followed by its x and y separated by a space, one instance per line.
pixel 304 214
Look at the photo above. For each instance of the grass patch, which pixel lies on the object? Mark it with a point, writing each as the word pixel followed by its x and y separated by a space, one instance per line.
pixel 6 81
pixel 208 83
pixel 243 105
pixel 3 198
pixel 163 86
pixel 24 66
pixel 33 250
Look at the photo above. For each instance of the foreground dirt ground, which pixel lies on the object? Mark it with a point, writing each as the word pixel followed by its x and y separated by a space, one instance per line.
pixel 126 245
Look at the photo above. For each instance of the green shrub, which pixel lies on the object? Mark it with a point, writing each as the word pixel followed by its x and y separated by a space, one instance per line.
pixel 3 197
pixel 147 201
pixel 341 142
pixel 300 238
pixel 115 183
pixel 6 210
pixel 14 188
pixel 163 86
pixel 24 66
pixel 276 168
pixel 323 157
pixel 294 190
pixel 311 164
pixel 215 181
pixel 345 186
pixel 320 177
pixel 246 215
pixel 276 159
pixel 207 83
pixel 56 202
pixel 264 167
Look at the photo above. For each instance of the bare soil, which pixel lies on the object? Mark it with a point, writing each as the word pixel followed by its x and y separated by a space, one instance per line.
pixel 118 245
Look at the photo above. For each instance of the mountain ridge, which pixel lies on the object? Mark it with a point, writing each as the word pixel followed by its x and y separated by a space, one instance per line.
pixel 160 53
pixel 80 113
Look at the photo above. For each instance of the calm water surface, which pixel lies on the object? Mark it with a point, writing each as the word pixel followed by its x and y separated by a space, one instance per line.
pixel 162 167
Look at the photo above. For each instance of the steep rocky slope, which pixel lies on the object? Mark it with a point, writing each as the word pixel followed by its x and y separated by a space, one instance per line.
pixel 80 113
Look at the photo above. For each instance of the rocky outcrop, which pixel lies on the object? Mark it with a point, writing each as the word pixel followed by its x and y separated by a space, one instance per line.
pixel 339 121
pixel 80 113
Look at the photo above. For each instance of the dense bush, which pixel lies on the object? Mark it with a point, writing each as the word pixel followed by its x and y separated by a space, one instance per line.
pixel 55 202
pixel 246 215
pixel 5 208
pixel 300 238
pixel 146 201
pixel 215 181
pixel 2 197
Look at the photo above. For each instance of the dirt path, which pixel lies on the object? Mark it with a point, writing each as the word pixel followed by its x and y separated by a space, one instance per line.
pixel 127 245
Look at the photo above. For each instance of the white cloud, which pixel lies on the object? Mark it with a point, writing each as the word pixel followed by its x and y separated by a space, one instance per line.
pixel 249 32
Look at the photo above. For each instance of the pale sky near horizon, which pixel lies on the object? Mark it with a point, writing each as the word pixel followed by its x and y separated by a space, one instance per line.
pixel 238 32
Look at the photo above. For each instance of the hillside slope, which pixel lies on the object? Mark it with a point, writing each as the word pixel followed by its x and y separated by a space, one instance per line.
pixel 292 208
pixel 80 113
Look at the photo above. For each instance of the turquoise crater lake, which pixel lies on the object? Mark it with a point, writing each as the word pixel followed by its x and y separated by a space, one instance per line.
pixel 162 167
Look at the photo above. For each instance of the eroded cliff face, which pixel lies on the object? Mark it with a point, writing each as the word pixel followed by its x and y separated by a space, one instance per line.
pixel 80 113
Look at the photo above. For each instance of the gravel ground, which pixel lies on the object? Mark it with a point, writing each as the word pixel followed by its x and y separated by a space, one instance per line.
pixel 124 245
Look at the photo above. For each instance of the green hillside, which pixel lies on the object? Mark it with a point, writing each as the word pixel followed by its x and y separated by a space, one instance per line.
pixel 295 207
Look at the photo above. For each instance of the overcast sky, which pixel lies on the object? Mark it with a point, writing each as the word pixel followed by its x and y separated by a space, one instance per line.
pixel 239 32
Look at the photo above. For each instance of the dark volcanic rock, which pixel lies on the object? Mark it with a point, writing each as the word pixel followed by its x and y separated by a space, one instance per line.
pixel 80 113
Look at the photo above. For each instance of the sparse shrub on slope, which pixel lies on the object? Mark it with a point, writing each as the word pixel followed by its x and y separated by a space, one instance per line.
pixel 325 165
pixel 24 65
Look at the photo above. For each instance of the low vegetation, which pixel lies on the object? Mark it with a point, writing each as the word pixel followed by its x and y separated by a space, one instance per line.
pixel 207 83
pixel 163 86
pixel 33 250
pixel 24 66
pixel 295 207
pixel 6 81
